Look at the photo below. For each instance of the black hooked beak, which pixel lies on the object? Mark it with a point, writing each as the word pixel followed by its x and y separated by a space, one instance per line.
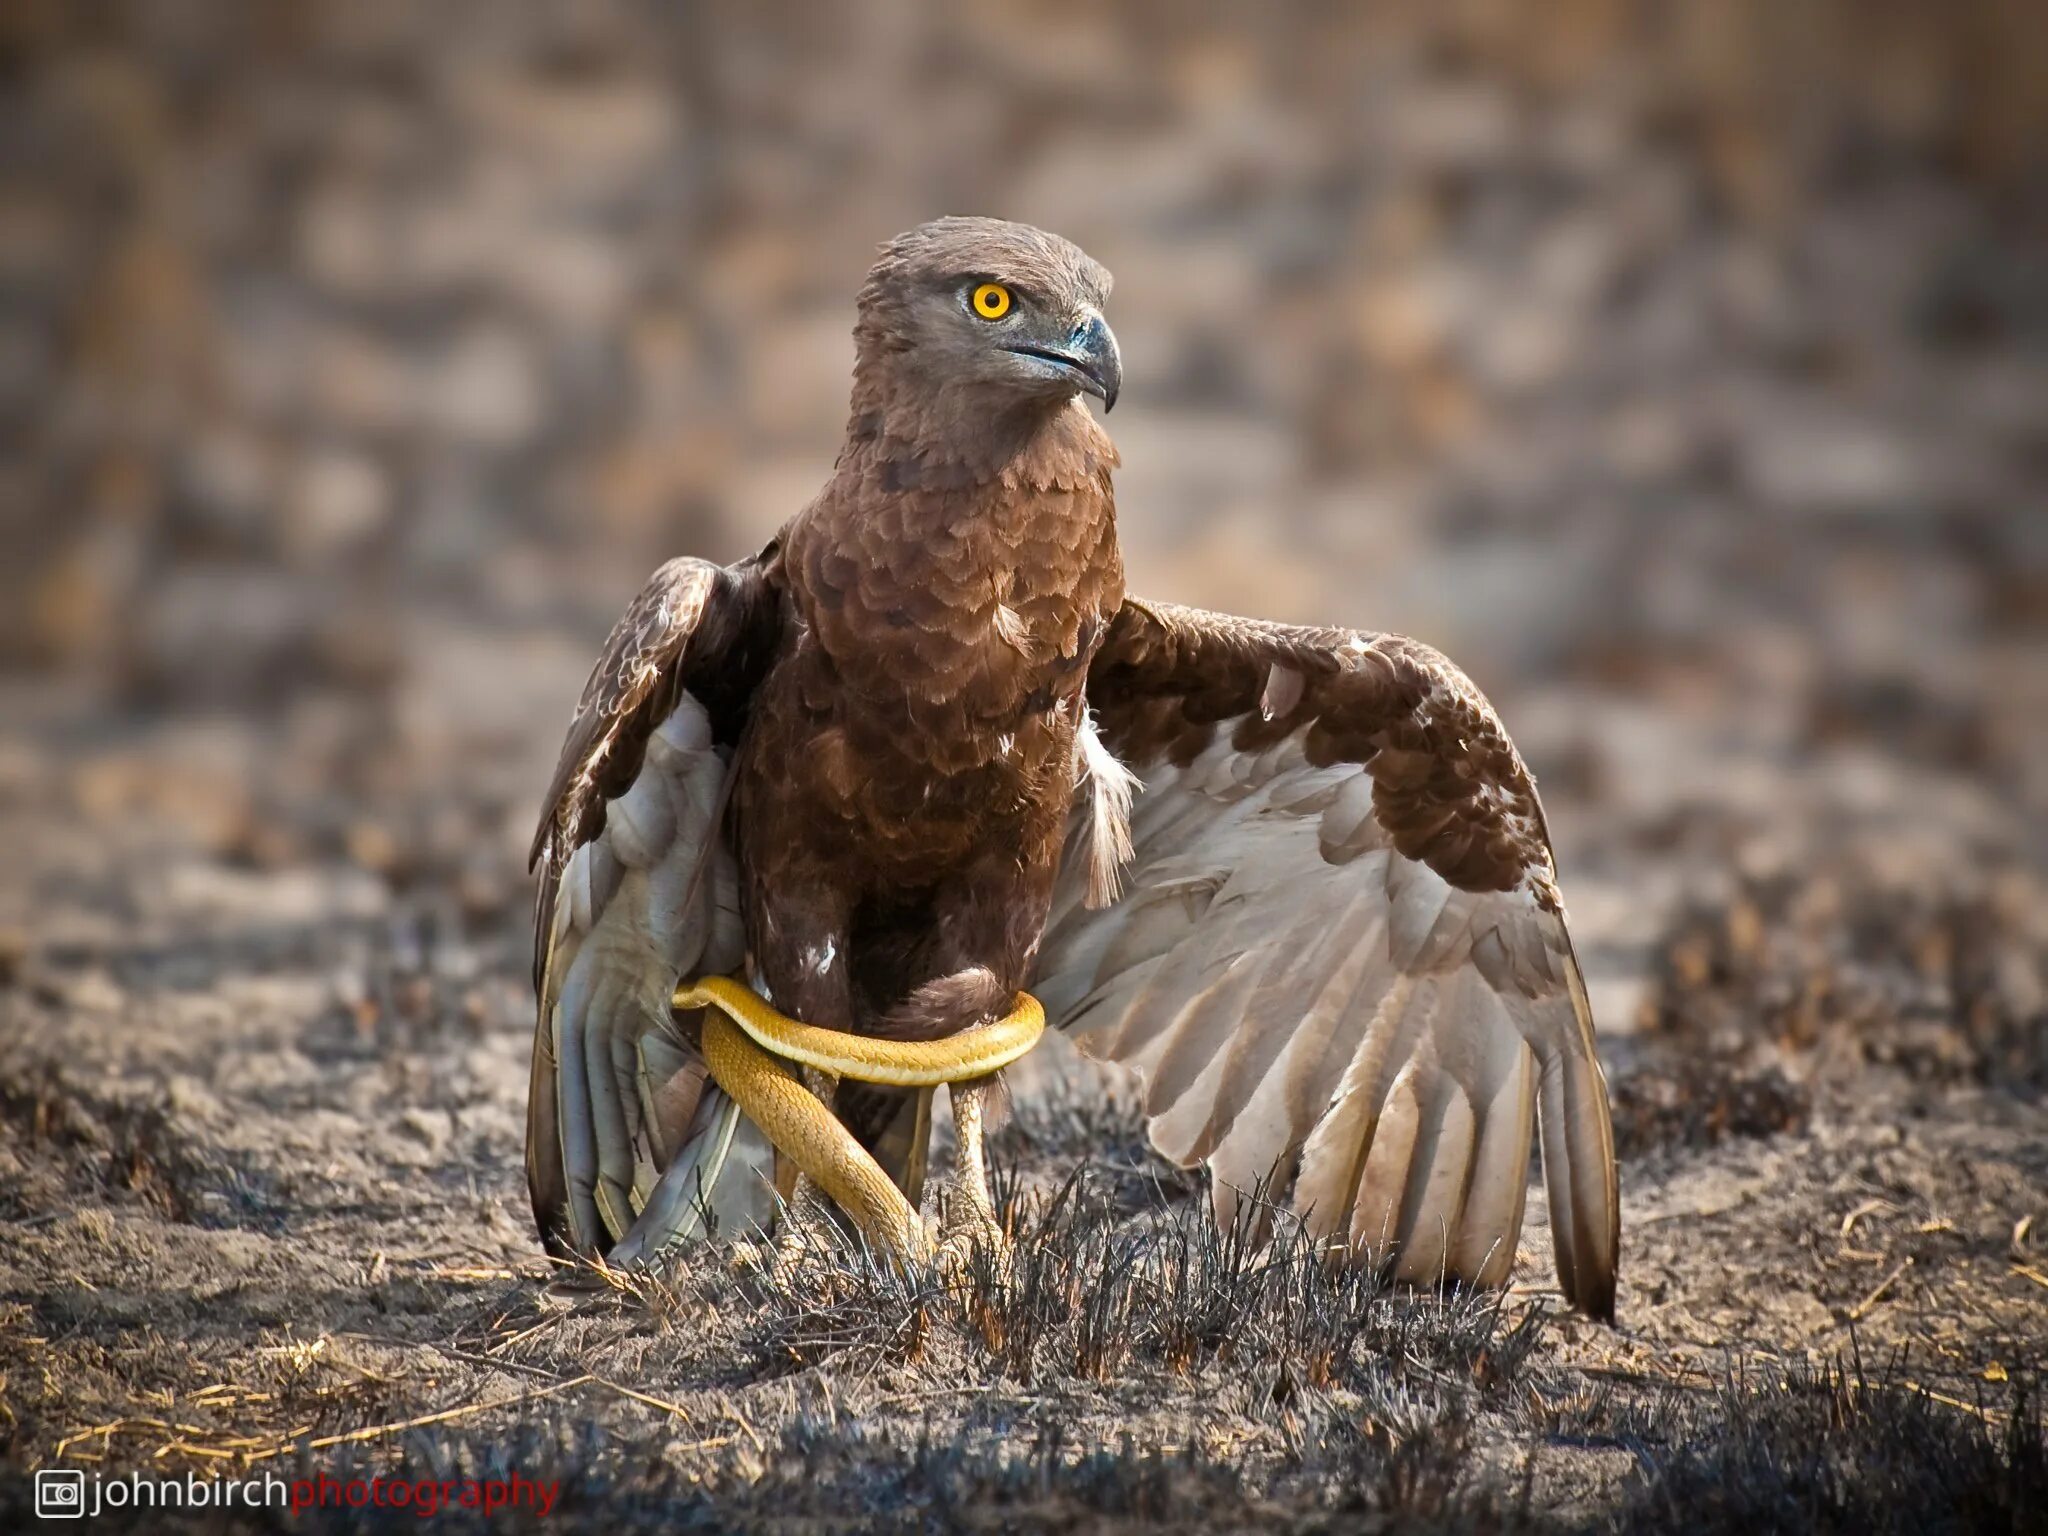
pixel 1089 357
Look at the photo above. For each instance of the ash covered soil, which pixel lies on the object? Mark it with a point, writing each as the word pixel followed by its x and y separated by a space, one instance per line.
pixel 374 359
pixel 260 1121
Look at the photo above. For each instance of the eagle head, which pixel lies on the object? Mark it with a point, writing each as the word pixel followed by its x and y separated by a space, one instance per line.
pixel 1001 311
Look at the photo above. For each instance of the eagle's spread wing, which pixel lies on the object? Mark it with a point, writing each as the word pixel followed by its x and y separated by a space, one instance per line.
pixel 1340 965
pixel 637 886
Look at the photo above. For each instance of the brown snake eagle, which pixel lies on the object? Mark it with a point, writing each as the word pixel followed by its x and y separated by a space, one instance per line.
pixel 923 752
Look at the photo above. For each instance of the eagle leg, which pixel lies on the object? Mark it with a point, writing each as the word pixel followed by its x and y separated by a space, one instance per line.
pixel 969 1216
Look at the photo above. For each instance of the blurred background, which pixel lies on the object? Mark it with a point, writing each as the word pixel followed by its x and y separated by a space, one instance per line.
pixel 1682 370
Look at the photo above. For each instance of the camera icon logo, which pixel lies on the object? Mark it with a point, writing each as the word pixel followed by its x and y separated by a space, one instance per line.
pixel 60 1493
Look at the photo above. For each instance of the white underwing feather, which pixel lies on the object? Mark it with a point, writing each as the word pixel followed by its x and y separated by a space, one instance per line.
pixel 652 897
pixel 1303 1003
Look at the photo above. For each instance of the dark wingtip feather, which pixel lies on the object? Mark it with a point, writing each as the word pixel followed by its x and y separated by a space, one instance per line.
pixel 1596 1299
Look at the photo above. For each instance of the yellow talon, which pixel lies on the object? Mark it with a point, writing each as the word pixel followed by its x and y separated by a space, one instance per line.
pixel 740 1032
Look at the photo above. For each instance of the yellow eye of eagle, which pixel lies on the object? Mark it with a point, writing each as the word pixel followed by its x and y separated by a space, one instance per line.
pixel 992 301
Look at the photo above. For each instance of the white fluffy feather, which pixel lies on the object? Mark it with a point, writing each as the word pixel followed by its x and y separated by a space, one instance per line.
pixel 1109 786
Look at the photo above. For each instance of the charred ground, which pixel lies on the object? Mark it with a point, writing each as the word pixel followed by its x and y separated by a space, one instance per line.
pixel 253 1225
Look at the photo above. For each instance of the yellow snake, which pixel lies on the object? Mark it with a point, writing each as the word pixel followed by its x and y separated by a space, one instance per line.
pixel 742 1038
